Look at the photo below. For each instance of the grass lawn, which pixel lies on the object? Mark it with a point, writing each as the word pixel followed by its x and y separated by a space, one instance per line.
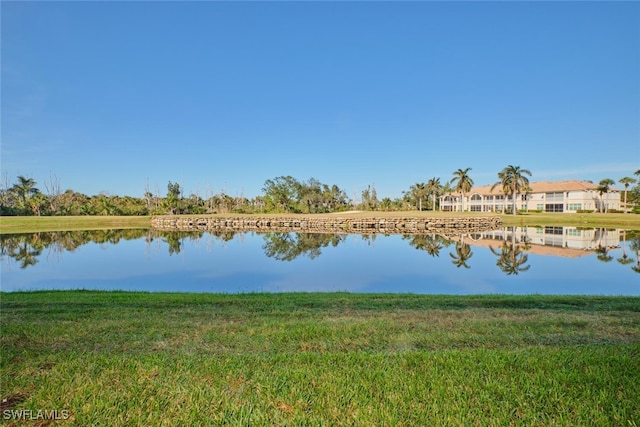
pixel 26 224
pixel 124 358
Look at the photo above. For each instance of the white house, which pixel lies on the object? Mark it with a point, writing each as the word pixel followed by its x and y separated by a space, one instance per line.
pixel 558 196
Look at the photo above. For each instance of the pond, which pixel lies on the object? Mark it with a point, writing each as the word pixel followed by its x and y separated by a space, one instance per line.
pixel 527 260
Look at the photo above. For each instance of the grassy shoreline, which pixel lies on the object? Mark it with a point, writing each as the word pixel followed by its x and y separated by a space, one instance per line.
pixel 32 224
pixel 131 358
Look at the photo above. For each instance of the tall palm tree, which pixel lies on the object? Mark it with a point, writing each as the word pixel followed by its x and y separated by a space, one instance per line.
pixel 25 188
pixel 434 187
pixel 506 187
pixel 463 183
pixel 603 187
pixel 513 181
pixel 417 192
pixel 626 181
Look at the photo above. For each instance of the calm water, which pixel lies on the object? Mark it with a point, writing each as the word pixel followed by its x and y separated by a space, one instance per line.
pixel 551 260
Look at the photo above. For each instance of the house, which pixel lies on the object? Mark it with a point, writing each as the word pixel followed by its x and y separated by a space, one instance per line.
pixel 546 196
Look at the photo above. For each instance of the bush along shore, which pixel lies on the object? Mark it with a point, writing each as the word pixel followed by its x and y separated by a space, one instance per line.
pixel 125 358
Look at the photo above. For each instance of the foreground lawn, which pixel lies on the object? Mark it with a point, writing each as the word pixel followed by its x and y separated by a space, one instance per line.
pixel 120 358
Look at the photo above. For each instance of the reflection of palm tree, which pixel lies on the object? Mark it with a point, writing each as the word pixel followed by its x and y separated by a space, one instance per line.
pixel 26 255
pixel 424 242
pixel 463 254
pixel 511 259
pixel 603 254
pixel 635 245
pixel 624 259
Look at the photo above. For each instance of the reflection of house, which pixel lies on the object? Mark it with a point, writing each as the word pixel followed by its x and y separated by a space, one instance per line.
pixel 558 196
pixel 558 241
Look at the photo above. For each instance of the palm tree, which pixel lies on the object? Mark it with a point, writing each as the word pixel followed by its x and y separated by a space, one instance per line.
pixel 506 187
pixel 25 188
pixel 434 187
pixel 417 192
pixel 626 181
pixel 463 183
pixel 513 181
pixel 603 187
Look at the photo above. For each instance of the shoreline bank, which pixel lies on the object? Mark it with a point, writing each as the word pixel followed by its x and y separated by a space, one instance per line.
pixel 399 225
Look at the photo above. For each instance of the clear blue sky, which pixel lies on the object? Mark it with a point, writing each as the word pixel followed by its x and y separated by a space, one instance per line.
pixel 112 96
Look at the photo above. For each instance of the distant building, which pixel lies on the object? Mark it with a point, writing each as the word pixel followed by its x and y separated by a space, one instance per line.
pixel 545 196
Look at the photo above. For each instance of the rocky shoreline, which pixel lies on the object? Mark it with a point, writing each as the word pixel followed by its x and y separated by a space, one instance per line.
pixel 402 225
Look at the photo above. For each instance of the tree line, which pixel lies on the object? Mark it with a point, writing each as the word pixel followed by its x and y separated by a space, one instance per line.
pixel 283 194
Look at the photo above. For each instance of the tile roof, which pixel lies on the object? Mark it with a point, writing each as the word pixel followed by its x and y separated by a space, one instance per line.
pixel 543 187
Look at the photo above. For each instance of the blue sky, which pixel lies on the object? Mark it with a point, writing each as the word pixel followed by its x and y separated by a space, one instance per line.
pixel 220 96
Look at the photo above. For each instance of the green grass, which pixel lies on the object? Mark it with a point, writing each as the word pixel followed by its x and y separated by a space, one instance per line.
pixel 25 224
pixel 124 358
pixel 591 220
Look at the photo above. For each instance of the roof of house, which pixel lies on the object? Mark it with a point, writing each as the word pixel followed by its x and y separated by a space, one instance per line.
pixel 542 187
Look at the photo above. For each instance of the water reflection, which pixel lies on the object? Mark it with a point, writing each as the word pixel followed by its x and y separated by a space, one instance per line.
pixel 289 246
pixel 26 248
pixel 430 243
pixel 511 258
pixel 462 255
pixel 511 246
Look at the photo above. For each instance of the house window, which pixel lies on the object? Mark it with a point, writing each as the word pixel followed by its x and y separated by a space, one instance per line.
pixel 556 231
pixel 554 207
pixel 539 206
pixel 476 208
pixel 575 206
